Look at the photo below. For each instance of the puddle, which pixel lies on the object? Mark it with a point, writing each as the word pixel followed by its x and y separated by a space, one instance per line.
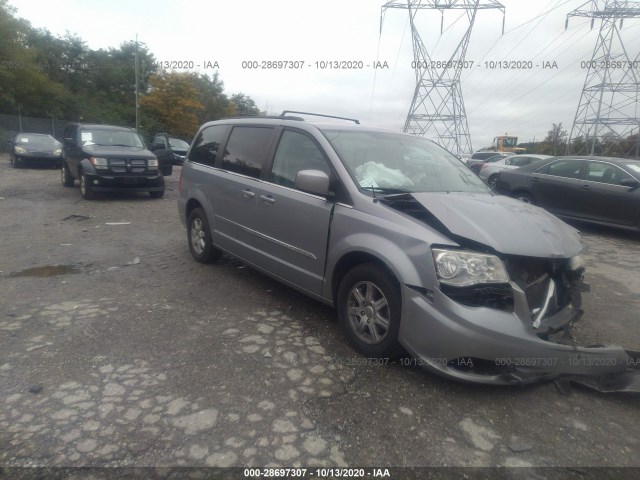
pixel 48 271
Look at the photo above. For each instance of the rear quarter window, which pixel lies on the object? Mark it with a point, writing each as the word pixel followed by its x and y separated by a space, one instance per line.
pixel 206 145
pixel 247 149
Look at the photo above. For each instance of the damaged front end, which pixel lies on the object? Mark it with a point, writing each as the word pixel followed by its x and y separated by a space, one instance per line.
pixel 506 318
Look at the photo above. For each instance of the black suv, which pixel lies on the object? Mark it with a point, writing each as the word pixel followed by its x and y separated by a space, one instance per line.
pixel 107 158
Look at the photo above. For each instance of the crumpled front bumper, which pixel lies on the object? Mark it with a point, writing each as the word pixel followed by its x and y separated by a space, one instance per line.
pixel 491 346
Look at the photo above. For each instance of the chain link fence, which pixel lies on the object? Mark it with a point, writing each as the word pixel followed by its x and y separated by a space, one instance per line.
pixel 12 124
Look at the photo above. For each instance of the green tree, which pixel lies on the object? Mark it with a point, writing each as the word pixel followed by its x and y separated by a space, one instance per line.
pixel 174 100
pixel 244 105
pixel 556 138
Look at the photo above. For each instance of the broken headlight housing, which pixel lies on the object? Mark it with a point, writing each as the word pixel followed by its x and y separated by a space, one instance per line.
pixel 462 268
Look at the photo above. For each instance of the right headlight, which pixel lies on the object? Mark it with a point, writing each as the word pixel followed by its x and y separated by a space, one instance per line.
pixel 462 268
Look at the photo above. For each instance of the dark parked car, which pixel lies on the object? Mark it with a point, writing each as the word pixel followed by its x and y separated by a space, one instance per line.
pixel 489 171
pixel 412 249
pixel 170 151
pixel 600 190
pixel 35 149
pixel 107 158
pixel 480 158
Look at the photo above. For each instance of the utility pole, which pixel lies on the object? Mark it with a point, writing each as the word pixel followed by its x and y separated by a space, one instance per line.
pixel 136 73
pixel 437 106
pixel 608 107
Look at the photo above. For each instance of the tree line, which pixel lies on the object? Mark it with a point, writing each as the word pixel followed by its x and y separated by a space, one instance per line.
pixel 556 143
pixel 46 75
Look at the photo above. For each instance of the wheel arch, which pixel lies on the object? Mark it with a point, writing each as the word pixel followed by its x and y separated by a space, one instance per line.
pixel 352 259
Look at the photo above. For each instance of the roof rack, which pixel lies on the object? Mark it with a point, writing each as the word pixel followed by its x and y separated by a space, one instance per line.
pixel 274 117
pixel 282 115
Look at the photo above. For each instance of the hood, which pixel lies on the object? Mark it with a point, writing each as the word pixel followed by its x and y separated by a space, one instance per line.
pixel 123 152
pixel 502 223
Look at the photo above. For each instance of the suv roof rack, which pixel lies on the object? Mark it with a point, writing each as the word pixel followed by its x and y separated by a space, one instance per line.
pixel 282 115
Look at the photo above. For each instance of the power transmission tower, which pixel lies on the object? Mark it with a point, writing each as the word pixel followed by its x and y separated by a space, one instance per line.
pixel 437 105
pixel 608 107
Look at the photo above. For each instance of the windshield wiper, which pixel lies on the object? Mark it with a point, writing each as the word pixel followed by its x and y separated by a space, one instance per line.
pixel 386 190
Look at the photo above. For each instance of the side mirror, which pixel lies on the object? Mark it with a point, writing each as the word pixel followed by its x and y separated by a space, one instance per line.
pixel 313 181
pixel 629 182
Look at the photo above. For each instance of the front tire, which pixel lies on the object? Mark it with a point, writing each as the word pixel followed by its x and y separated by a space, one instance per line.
pixel 369 310
pixel 85 187
pixel 158 194
pixel 15 163
pixel 65 175
pixel 199 238
pixel 167 170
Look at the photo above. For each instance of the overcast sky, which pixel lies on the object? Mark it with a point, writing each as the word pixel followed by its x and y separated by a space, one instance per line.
pixel 521 102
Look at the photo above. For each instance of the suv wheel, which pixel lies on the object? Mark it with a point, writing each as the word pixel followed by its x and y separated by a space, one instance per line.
pixel 167 170
pixel 65 175
pixel 85 187
pixel 199 237
pixel 158 194
pixel 369 309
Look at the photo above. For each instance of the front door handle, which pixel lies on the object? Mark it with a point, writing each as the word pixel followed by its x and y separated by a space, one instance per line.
pixel 248 193
pixel 535 180
pixel 268 199
pixel 586 187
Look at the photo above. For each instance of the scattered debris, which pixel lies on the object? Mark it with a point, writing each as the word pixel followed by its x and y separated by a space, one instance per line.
pixel 267 354
pixel 117 223
pixel 78 218
pixel 135 261
pixel 65 244
pixel 35 388
pixel 519 446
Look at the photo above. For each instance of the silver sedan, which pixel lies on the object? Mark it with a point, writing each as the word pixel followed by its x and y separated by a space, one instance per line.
pixel 489 171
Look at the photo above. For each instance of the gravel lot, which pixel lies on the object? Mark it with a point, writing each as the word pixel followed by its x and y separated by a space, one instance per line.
pixel 117 349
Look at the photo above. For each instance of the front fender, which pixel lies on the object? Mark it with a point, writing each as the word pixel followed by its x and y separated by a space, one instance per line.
pixel 87 167
pixel 401 250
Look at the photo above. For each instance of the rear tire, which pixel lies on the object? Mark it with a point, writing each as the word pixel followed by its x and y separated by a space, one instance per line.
pixel 159 194
pixel 524 198
pixel 199 238
pixel 85 187
pixel 369 311
pixel 493 181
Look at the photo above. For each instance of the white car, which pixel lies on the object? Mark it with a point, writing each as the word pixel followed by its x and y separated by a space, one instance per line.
pixel 489 171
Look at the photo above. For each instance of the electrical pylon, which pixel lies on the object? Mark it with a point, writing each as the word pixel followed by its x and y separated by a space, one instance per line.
pixel 608 107
pixel 437 106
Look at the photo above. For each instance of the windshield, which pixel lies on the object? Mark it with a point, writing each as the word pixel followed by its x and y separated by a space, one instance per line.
pixel 388 163
pixel 178 144
pixel 111 138
pixel 40 140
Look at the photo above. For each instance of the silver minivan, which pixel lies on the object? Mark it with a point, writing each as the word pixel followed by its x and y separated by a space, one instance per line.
pixel 411 248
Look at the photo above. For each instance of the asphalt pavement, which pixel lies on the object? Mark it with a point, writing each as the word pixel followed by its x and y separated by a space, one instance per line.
pixel 118 350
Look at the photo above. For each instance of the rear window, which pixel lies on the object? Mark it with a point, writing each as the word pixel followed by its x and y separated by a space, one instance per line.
pixel 247 149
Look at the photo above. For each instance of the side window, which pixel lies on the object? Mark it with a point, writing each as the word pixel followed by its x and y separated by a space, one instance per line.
pixel 605 173
pixel 519 161
pixel 70 132
pixel 296 152
pixel 160 141
pixel 206 145
pixel 247 150
pixel 565 168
